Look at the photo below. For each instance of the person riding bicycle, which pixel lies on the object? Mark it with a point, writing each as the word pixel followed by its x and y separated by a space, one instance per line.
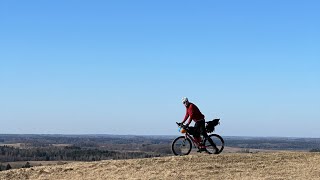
pixel 193 113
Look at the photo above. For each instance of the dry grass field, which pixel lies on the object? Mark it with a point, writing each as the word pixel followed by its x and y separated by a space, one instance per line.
pixel 19 164
pixel 255 166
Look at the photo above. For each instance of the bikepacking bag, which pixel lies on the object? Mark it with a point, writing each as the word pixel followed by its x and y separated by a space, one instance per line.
pixel 210 125
pixel 192 130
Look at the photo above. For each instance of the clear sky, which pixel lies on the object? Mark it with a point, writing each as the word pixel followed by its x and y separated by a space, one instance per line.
pixel 122 67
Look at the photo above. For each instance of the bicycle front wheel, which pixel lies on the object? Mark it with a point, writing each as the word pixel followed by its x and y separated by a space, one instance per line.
pixel 181 146
pixel 218 141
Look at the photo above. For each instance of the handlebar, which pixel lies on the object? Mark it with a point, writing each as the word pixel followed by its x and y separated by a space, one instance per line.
pixel 182 125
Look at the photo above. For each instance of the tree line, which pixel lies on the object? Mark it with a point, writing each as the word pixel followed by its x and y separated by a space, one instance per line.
pixel 72 153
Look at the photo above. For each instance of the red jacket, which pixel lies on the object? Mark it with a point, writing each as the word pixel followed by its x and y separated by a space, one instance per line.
pixel 194 113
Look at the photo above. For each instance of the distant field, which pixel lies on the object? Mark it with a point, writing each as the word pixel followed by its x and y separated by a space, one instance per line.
pixel 61 145
pixel 16 145
pixel 253 166
pixel 23 145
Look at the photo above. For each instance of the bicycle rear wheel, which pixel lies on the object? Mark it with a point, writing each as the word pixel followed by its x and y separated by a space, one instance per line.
pixel 181 146
pixel 218 141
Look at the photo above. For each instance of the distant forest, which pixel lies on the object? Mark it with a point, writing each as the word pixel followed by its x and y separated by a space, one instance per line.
pixel 274 143
pixel 80 148
pixel 102 147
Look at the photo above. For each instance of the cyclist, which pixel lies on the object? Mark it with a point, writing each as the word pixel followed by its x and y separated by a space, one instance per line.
pixel 193 113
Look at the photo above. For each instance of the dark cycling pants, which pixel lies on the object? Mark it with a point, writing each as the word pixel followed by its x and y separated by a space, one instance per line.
pixel 200 128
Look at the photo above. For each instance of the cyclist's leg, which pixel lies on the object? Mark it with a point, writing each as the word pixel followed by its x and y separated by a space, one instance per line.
pixel 196 133
pixel 205 135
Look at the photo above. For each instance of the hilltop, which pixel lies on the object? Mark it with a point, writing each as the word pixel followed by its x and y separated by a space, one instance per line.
pixel 262 165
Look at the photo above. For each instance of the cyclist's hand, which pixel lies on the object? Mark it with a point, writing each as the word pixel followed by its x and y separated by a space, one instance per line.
pixel 179 124
pixel 186 126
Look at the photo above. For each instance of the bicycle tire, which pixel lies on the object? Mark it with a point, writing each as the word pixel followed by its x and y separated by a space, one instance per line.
pixel 181 146
pixel 218 140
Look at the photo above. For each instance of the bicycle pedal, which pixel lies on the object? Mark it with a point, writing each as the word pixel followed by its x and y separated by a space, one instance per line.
pixel 201 150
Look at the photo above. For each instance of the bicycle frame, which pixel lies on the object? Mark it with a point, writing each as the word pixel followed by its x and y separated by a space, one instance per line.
pixel 195 143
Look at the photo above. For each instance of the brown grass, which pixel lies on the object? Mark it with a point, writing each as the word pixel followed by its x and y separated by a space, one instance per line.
pixel 263 165
pixel 19 164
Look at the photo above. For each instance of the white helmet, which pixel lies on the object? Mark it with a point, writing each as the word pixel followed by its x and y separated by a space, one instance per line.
pixel 185 100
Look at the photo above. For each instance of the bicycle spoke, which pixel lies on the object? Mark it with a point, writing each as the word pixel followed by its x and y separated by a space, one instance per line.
pixel 218 141
pixel 181 146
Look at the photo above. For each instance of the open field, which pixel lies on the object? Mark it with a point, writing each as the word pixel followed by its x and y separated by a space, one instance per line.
pixel 262 165
pixel 15 145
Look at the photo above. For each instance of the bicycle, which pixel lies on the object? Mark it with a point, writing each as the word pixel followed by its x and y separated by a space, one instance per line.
pixel 182 145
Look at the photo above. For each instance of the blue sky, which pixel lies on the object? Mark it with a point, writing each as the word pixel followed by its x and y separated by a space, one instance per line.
pixel 122 67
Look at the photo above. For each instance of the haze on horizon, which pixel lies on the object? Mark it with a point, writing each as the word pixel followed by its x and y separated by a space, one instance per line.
pixel 122 67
